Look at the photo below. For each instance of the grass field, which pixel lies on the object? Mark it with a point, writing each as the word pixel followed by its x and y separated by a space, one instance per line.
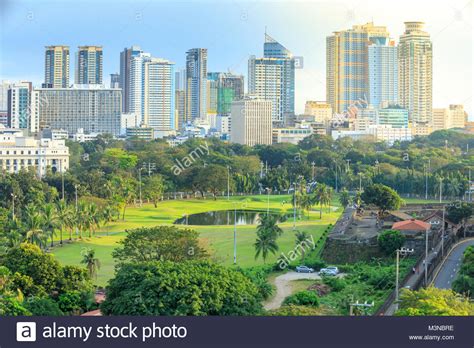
pixel 217 239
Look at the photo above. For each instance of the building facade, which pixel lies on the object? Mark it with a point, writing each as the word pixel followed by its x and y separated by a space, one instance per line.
pixel 196 84
pixel 415 63
pixel 125 74
pixel 347 65
pixel 320 110
pixel 397 117
pixel 273 78
pixel 19 152
pixel 89 65
pixel 159 95
pixel 251 121
pixel 20 114
pixel 383 72
pixel 56 67
pixel 93 108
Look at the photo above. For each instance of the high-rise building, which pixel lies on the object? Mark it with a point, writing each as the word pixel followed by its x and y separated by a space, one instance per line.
pixel 211 93
pixel 458 116
pixel 93 108
pixel 347 65
pixel 125 71
pixel 19 113
pixel 89 65
pixel 159 95
pixel 415 64
pixel 136 85
pixel 4 87
pixel 196 84
pixel 56 67
pixel 273 78
pixel 251 121
pixel 229 87
pixel 180 108
pixel 115 80
pixel 383 72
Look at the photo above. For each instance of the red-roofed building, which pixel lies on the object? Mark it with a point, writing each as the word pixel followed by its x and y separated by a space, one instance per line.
pixel 411 227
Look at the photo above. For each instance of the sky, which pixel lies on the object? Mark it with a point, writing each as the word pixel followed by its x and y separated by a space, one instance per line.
pixel 232 31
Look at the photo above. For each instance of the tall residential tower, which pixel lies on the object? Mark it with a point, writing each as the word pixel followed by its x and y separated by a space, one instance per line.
pixel 89 65
pixel 196 84
pixel 415 62
pixel 56 67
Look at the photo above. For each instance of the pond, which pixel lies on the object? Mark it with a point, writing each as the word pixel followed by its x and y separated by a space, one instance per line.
pixel 221 217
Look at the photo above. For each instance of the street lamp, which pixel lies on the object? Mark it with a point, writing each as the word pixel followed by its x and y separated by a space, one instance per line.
pixel 75 191
pixel 403 252
pixel 228 182
pixel 312 167
pixel 268 199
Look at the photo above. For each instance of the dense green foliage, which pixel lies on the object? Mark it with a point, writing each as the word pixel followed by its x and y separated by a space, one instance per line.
pixel 383 197
pixel 185 288
pixel 43 307
pixel 161 243
pixel 464 282
pixel 432 301
pixel 303 298
pixel 390 240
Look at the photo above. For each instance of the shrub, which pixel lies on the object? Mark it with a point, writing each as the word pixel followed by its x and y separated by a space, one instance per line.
pixel 336 284
pixel 43 306
pixel 10 306
pixel 390 240
pixel 303 298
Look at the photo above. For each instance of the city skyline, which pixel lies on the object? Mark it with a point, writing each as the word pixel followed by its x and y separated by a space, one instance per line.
pixel 242 23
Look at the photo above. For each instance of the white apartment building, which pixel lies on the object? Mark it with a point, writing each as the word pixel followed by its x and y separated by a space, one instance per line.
pixel 320 110
pixel 251 121
pixel 453 116
pixel 19 152
pixel 93 108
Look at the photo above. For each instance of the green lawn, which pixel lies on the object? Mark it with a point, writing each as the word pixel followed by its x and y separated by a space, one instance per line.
pixel 217 239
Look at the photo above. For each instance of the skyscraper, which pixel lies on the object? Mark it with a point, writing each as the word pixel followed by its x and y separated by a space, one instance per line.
pixel 383 73
pixel 196 83
pixel 347 62
pixel 89 65
pixel 56 67
pixel 19 106
pixel 136 85
pixel 415 62
pixel 273 78
pixel 180 97
pixel 251 121
pixel 159 95
pixel 125 68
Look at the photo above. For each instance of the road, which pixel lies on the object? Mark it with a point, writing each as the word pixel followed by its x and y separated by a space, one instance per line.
pixel 450 268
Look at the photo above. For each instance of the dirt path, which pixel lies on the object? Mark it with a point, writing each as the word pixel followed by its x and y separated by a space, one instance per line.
pixel 283 287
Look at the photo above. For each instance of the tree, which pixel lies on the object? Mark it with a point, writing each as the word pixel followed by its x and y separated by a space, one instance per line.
pixel 92 263
pixel 344 198
pixel 432 301
pixel 323 197
pixel 464 283
pixel 382 197
pixel 183 288
pixel 153 187
pixel 301 237
pixel 50 220
pixel 390 240
pixel 33 226
pixel 212 178
pixel 160 243
pixel 28 259
pixel 43 307
pixel 64 215
pixel 265 244
pixel 268 224
pixel 460 212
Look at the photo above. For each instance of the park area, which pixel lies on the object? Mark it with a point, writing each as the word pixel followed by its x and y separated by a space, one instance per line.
pixel 217 239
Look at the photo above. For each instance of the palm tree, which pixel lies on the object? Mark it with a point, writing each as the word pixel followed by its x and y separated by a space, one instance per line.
pixel 307 202
pixel 344 198
pixel 107 215
pixel 33 226
pixel 301 237
pixel 13 232
pixel 264 244
pixel 322 196
pixel 92 263
pixel 268 225
pixel 94 218
pixel 64 215
pixel 50 220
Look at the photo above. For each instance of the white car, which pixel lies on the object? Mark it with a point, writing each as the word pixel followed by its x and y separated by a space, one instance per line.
pixel 329 271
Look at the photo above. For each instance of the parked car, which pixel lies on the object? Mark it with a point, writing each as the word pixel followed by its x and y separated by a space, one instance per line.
pixel 329 271
pixel 304 269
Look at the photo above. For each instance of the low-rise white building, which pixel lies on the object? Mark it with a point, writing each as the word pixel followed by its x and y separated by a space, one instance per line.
pixel 19 152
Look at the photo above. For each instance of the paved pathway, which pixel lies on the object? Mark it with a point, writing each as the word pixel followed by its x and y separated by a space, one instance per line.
pixel 449 270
